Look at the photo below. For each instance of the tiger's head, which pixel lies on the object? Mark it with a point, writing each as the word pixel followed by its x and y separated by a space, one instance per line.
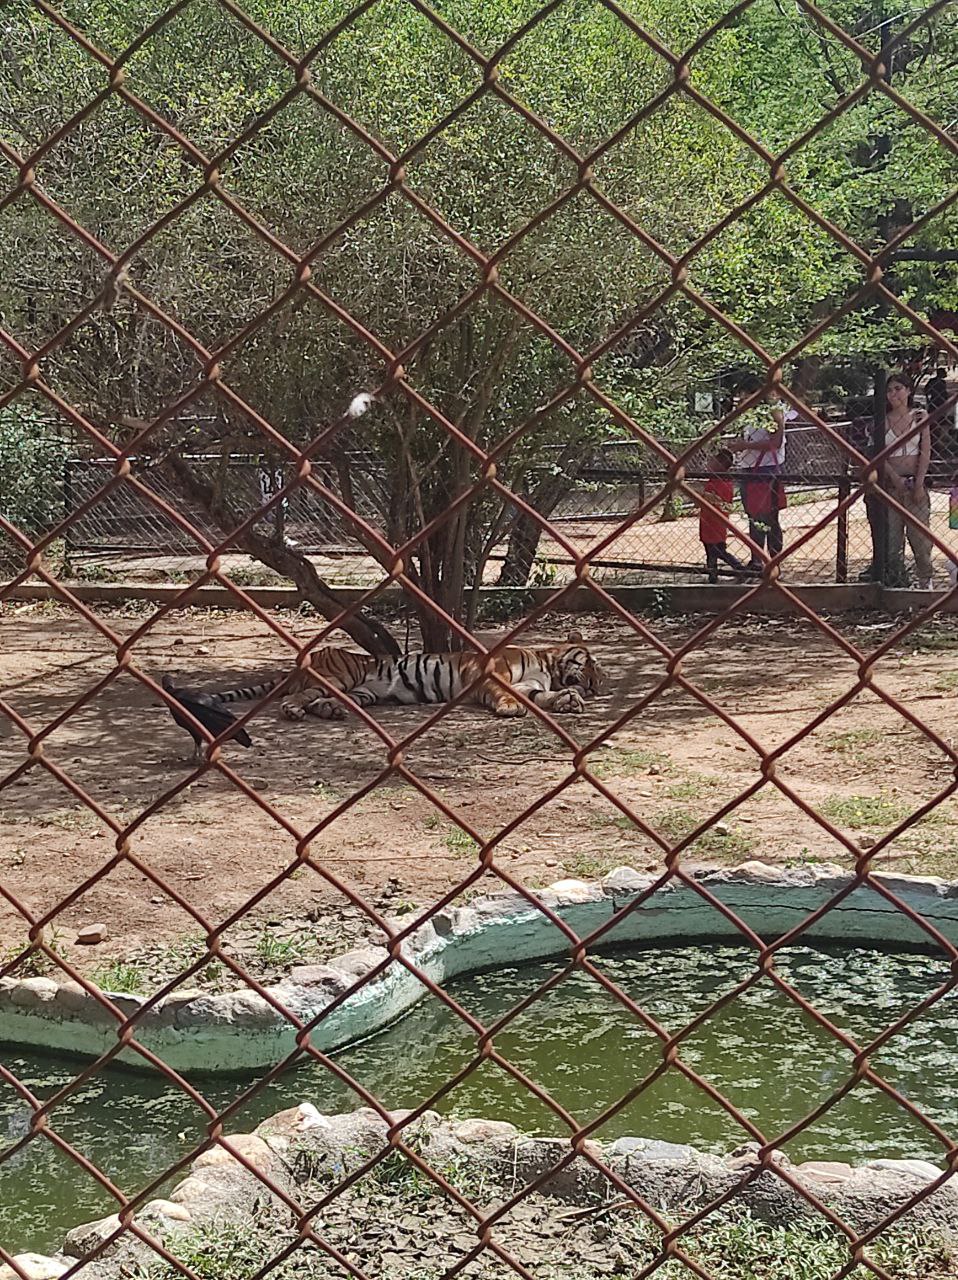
pixel 576 667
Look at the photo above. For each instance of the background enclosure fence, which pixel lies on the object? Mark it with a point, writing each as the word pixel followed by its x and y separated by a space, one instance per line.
pixel 123 536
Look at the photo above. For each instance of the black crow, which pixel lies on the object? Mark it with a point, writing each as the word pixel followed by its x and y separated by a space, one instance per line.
pixel 210 713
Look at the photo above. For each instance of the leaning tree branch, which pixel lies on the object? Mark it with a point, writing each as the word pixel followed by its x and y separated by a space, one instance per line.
pixel 288 561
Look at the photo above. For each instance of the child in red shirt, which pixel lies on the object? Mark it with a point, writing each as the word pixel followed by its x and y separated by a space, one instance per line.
pixel 714 528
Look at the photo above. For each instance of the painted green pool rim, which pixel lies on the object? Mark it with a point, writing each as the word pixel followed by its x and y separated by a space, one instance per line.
pixel 362 991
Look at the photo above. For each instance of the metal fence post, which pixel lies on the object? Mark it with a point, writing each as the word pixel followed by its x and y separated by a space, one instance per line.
pixel 68 505
pixel 841 538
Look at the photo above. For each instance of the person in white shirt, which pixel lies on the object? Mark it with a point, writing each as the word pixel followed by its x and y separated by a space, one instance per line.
pixel 906 475
pixel 761 450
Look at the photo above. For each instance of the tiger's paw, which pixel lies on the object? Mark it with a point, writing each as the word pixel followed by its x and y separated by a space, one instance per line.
pixel 568 702
pixel 327 709
pixel 293 711
pixel 509 708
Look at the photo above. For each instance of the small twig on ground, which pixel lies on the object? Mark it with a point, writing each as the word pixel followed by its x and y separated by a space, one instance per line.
pixel 571 1215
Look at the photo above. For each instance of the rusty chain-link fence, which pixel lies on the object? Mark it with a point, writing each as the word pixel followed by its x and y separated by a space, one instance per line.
pixel 101 337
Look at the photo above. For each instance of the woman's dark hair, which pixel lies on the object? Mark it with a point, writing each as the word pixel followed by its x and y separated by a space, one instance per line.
pixel 724 458
pixel 903 380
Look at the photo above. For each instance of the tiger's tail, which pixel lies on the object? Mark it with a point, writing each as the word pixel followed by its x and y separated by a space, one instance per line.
pixel 246 694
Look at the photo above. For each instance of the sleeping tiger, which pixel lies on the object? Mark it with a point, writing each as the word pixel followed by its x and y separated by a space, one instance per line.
pixel 557 678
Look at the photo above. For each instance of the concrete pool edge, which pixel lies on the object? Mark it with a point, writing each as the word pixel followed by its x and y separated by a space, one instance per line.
pixel 237 1031
pixel 223 1183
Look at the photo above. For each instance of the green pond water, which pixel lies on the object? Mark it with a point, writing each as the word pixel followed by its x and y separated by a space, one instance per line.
pixel 577 1042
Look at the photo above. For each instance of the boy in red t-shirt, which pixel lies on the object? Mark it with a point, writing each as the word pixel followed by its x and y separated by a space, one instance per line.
pixel 714 528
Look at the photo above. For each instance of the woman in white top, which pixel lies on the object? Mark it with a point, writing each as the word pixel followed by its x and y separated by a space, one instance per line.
pixel 905 474
pixel 761 450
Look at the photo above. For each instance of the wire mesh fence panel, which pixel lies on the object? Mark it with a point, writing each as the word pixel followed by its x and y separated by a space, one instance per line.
pixel 440 298
pixel 123 537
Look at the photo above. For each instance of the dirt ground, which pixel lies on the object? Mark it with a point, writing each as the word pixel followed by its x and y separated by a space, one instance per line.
pixel 673 762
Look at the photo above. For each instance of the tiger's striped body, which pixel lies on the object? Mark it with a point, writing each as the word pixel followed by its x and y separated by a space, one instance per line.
pixel 556 678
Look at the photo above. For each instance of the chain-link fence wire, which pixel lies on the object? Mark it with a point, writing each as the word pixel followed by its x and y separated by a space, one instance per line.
pixel 33 372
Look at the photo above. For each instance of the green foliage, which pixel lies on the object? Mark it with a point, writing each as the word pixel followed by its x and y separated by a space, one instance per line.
pixel 675 824
pixel 454 838
pixel 676 172
pixel 621 763
pixel 32 457
pixel 851 741
pixel 502 604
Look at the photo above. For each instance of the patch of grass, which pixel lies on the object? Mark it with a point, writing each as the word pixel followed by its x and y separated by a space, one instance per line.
pixel 398 1176
pixel 804 858
pixel 851 740
pixel 691 788
pixel 94 573
pixel 454 838
pixel 178 956
pixel 181 954
pixel 116 975
pixel 504 604
pixel 746 1248
pixel 619 762
pixel 35 963
pixel 947 683
pixel 223 1250
pixel 934 639
pixel 588 866
pixel 458 841
pixel 265 948
pixel 924 850
pixel 215 976
pixel 255 576
pixel 76 819
pixel 326 794
pixel 880 811
pixel 737 1247
pixel 280 953
pixel 675 825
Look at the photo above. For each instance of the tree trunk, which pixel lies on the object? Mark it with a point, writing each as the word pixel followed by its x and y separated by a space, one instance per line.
pixel 291 563
pixel 444 589
pixel 520 552
pixel 526 533
pixel 436 637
